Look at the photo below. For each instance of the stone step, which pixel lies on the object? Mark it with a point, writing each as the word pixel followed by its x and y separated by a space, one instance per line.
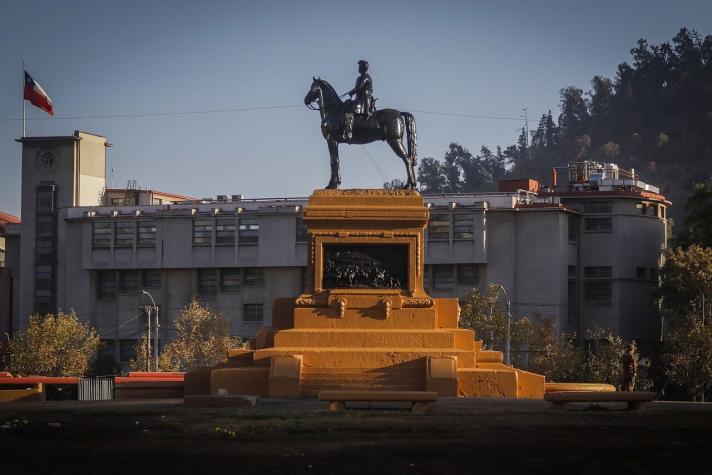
pixel 367 318
pixel 489 356
pixel 323 357
pixel 355 338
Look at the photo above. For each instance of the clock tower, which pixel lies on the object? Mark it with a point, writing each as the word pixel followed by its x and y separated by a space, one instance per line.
pixel 57 173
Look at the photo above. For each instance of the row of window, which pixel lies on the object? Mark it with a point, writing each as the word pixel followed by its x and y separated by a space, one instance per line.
pixel 444 277
pixel 206 231
pixel 210 281
pixel 45 248
pixel 125 233
pixel 248 231
pixel 440 225
pixel 129 281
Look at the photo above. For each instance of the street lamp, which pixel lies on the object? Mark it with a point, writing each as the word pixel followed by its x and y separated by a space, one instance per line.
pixel 507 338
pixel 155 336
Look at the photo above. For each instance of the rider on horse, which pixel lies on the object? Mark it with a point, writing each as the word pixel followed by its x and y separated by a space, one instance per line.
pixel 363 104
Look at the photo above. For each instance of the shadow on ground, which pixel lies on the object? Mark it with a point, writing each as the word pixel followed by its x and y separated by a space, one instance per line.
pixel 454 436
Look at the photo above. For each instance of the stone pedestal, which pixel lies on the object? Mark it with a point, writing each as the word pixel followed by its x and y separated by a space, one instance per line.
pixel 365 320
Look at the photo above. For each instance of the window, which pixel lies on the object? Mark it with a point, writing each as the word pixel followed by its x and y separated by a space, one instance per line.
pixel 641 272
pixel 117 201
pixel 468 274
pixel 427 278
pixel 225 231
pixel 572 271
pixel 252 313
pixel 464 226
pixel 126 350
pixel 573 229
pixel 443 278
pixel 653 210
pixel 207 282
pixel 45 227
pixel 597 207
pixel 107 285
pixel 123 233
pixel 101 234
pixel 146 233
pixel 2 258
pixel 44 251
pixel 202 231
pixel 128 281
pixel 45 199
pixel 598 292
pixel 230 280
pixel 642 207
pixel 598 224
pixel 43 276
pixel 302 234
pixel 602 272
pixel 439 227
pixel 253 277
pixel 662 212
pixel 151 278
pixel 249 231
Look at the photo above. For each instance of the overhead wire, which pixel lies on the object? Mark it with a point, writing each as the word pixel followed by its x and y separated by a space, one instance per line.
pixel 243 109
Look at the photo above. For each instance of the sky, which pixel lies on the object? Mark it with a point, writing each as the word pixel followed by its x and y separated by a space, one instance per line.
pixel 129 57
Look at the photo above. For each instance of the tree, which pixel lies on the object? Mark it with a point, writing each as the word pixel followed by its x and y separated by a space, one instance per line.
pixel 394 184
pixel 684 296
pixel 688 357
pixel 431 176
pixel 483 312
pixel 202 339
pixel 699 216
pixel 686 284
pixel 53 345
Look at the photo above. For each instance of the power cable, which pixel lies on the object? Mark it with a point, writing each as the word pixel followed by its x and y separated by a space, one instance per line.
pixel 375 164
pixel 245 109
pixel 159 114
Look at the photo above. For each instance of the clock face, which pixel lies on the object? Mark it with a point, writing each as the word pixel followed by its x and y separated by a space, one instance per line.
pixel 47 159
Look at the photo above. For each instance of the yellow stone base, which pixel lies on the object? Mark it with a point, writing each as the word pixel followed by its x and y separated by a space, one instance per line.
pixel 367 339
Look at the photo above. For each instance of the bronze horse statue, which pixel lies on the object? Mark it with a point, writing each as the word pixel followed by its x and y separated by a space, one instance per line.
pixel 385 124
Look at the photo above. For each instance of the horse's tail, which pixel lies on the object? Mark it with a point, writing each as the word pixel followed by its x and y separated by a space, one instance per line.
pixel 410 130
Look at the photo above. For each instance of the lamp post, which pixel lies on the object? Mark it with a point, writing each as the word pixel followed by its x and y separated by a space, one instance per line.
pixel 507 337
pixel 155 335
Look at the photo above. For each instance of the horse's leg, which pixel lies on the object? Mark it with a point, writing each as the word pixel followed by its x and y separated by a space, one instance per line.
pixel 335 180
pixel 398 148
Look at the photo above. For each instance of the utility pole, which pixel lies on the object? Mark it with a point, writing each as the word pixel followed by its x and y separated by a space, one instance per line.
pixel 148 337
pixel 507 336
pixel 155 336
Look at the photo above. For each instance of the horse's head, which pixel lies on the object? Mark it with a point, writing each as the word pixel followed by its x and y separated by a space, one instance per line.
pixel 313 93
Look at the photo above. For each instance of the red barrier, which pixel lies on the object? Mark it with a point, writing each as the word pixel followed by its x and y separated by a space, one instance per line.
pixel 39 379
pixel 155 374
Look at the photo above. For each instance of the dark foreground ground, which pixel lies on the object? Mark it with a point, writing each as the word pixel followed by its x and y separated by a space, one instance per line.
pixel 472 436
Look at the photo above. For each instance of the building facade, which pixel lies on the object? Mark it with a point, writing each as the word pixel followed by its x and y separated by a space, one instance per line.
pixel 581 251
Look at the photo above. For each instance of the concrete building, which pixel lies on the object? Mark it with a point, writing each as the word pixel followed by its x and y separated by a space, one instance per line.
pixel 5 276
pixel 585 250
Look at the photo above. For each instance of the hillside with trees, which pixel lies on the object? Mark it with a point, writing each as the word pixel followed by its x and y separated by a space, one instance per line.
pixel 655 116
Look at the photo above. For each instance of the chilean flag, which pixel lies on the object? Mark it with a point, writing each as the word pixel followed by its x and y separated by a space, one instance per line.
pixel 36 95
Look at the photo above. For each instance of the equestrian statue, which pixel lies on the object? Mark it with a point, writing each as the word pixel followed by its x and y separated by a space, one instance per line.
pixel 356 121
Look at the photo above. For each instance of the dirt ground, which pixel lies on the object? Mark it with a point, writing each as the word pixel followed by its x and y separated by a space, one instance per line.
pixel 455 436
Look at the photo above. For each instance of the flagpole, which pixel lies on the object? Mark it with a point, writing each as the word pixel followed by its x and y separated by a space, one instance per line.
pixel 24 126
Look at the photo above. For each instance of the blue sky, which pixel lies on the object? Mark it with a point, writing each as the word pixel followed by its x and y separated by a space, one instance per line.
pixel 136 57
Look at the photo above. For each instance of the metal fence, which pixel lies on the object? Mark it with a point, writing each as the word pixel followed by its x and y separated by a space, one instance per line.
pixel 96 389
